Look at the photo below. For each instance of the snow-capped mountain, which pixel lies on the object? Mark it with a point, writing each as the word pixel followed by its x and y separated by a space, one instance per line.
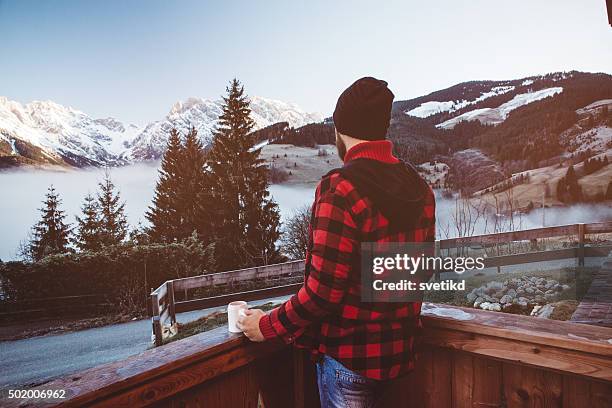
pixel 63 134
pixel 47 132
pixel 203 114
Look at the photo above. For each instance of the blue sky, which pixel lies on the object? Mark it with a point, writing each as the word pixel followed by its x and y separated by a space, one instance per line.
pixel 133 59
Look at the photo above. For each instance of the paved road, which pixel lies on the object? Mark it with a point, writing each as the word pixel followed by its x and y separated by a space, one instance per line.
pixel 39 359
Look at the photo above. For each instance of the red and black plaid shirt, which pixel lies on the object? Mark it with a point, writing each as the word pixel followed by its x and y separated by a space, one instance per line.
pixel 327 314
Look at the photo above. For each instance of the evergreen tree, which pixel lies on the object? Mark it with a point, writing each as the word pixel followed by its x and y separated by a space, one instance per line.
pixel 609 191
pixel 51 235
pixel 88 227
pixel 113 222
pixel 245 219
pixel 164 215
pixel 195 184
pixel 175 213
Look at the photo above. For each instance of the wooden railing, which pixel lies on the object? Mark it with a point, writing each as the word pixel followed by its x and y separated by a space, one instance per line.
pixel 478 359
pixel 164 306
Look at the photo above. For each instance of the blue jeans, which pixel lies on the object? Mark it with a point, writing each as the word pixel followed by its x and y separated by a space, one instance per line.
pixel 340 387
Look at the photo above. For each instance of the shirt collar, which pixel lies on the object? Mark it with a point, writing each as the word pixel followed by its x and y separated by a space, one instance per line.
pixel 381 150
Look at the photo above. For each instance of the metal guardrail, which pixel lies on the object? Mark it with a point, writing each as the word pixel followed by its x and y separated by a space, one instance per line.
pixel 164 306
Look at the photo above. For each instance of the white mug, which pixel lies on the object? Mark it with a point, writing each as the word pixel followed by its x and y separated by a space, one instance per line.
pixel 234 310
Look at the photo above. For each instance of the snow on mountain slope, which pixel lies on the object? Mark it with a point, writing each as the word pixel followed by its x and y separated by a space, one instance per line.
pixel 71 136
pixel 63 132
pixel 203 114
pixel 497 115
pixel 432 107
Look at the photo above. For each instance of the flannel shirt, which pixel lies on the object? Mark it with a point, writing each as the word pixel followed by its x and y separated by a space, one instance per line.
pixel 326 315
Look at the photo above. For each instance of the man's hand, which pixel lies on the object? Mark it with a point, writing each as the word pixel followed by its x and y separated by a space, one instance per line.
pixel 249 324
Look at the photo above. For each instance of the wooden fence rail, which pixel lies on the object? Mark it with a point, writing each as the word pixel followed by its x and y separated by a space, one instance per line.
pixel 487 359
pixel 164 306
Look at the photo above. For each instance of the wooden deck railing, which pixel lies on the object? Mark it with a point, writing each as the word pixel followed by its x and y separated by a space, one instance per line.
pixel 164 306
pixel 486 360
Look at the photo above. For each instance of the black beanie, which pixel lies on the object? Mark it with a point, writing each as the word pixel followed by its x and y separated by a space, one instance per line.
pixel 363 110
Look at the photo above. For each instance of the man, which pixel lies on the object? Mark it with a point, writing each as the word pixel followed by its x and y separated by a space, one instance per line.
pixel 374 197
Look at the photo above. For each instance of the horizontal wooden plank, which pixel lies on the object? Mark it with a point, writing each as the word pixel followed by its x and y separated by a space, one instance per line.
pixel 598 227
pixel 220 278
pixel 537 355
pixel 528 257
pixel 222 300
pixel 566 335
pixel 165 371
pixel 141 374
pixel 597 251
pixel 523 235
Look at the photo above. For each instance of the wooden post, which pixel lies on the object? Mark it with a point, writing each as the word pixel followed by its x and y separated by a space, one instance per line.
pixel 172 309
pixel 157 330
pixel 437 254
pixel 581 244
pixel 155 320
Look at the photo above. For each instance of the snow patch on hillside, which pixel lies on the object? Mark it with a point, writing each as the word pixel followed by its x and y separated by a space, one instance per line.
pixel 595 140
pixel 433 107
pixel 494 116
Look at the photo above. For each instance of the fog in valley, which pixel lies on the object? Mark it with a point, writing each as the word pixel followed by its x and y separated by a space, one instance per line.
pixel 23 192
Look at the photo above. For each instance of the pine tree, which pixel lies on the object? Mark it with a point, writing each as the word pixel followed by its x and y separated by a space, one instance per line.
pixel 175 213
pixel 88 227
pixel 51 235
pixel 195 183
pixel 113 222
pixel 245 219
pixel 164 214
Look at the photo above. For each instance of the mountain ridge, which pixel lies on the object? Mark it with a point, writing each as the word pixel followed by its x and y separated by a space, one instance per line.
pixel 47 133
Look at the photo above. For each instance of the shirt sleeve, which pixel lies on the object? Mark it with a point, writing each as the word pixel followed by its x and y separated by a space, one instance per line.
pixel 334 244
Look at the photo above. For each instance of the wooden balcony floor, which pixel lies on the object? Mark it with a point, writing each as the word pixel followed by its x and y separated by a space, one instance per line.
pixel 596 306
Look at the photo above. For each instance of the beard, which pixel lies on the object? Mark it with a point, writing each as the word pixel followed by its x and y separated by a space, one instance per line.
pixel 340 147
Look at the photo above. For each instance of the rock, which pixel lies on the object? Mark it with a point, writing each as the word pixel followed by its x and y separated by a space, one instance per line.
pixel 565 287
pixel 512 293
pixel 498 294
pixel 523 302
pixel 506 299
pixel 478 302
pixel 529 290
pixel 471 297
pixel 496 307
pixel 543 311
pixel 539 299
